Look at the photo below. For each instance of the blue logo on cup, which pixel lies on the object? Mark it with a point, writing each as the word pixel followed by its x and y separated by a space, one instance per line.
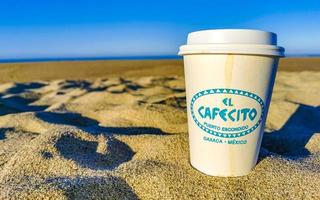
pixel 227 113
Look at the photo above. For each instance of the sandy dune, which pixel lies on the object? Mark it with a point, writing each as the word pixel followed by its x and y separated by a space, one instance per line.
pixel 126 138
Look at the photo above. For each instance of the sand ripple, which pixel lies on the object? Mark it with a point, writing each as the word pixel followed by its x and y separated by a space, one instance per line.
pixel 127 139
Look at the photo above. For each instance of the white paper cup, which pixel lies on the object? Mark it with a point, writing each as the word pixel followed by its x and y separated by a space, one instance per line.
pixel 229 76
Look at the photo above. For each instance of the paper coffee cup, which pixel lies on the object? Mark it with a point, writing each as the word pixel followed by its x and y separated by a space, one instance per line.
pixel 229 75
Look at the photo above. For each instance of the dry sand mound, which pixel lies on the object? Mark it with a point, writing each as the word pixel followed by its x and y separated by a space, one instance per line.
pixel 127 139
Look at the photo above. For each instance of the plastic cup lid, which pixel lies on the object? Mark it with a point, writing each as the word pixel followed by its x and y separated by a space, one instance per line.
pixel 237 41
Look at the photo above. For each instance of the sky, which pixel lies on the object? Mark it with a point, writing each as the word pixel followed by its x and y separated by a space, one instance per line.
pixel 107 28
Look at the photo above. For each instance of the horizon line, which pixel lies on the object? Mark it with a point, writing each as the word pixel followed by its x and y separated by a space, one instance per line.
pixel 100 58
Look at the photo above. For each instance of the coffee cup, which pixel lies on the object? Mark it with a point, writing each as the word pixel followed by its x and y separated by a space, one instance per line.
pixel 229 76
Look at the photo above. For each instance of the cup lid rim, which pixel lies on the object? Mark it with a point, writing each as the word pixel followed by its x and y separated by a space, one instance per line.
pixel 232 36
pixel 268 50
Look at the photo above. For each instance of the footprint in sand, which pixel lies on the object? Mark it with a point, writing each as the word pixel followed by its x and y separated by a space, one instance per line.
pixel 107 154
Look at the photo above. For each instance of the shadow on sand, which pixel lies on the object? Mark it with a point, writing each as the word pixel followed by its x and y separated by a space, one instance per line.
pixel 290 140
pixel 92 126
pixel 94 187
pixel 20 98
pixel 85 152
pixel 22 87
pixel 18 103
pixel 3 132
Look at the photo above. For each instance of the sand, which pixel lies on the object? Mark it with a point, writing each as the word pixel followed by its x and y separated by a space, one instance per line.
pixel 126 138
pixel 27 72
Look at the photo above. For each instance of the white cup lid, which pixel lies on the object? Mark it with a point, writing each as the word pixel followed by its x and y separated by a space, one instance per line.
pixel 237 41
pixel 232 36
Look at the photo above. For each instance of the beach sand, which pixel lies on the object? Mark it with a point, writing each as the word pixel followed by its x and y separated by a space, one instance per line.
pixel 126 138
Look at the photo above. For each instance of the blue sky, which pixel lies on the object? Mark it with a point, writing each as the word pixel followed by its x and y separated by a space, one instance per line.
pixel 91 28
